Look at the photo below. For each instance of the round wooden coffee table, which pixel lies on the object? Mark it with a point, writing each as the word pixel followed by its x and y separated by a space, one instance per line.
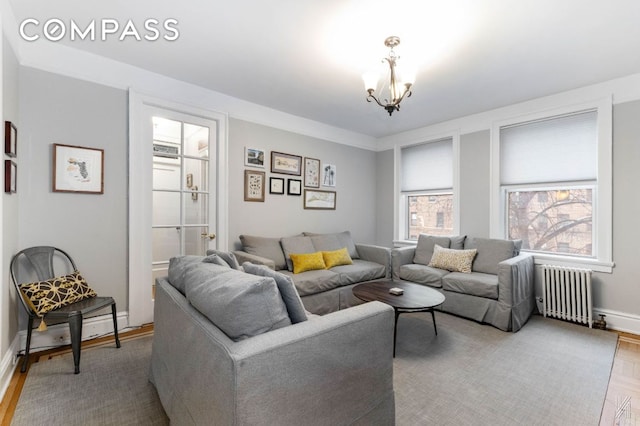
pixel 416 298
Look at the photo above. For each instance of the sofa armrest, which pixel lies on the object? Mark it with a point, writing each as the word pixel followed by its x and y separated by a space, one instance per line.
pixel 243 256
pixel 401 256
pixel 377 254
pixel 339 365
pixel 515 280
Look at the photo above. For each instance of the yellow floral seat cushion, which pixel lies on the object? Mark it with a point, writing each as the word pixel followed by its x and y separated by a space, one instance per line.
pixel 303 262
pixel 336 258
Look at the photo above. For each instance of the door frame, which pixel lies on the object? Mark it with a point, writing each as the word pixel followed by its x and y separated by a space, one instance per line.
pixel 140 304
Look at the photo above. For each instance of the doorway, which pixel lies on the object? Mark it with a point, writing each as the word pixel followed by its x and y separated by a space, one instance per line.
pixel 177 174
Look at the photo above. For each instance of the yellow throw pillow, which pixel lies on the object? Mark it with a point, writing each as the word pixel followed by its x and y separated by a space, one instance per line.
pixel 307 262
pixel 336 258
pixel 45 296
pixel 452 260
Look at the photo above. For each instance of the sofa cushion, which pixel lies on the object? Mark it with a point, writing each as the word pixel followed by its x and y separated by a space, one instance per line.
pixel 328 242
pixel 452 260
pixel 241 305
pixel 288 291
pixel 490 253
pixel 424 248
pixel 474 284
pixel 303 262
pixel 177 268
pixel 298 245
pixel 312 282
pixel 344 239
pixel 359 271
pixel 228 257
pixel 264 247
pixel 336 258
pixel 457 242
pixel 422 274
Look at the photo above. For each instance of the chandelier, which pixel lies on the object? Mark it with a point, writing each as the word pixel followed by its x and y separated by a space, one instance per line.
pixel 397 89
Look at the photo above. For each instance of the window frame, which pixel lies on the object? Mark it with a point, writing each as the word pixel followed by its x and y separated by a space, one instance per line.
pixel 603 202
pixel 401 211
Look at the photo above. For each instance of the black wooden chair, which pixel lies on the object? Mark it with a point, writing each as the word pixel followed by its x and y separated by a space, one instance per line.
pixel 37 264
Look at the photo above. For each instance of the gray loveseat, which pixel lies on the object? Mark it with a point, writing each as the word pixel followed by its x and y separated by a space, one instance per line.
pixel 499 290
pixel 324 290
pixel 233 348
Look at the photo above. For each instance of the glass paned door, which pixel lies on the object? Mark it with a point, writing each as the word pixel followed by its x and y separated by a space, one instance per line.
pixel 182 222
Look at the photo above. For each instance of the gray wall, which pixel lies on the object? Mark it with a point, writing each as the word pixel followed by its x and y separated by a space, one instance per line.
pixel 475 183
pixel 618 291
pixel 8 310
pixel 92 228
pixel 384 198
pixel 283 215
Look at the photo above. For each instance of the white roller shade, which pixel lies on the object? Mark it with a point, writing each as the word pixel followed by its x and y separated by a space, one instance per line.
pixel 427 166
pixel 553 150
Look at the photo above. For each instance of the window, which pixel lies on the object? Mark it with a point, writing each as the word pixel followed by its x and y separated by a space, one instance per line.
pixel 557 222
pixel 548 174
pixel 427 188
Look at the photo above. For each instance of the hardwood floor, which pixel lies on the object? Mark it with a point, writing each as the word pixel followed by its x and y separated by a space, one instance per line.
pixel 624 382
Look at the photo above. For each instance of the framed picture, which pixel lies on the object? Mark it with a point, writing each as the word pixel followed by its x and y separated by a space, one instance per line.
pixel 78 169
pixel 10 139
pixel 329 175
pixel 253 185
pixel 10 175
pixel 294 187
pixel 311 172
pixel 276 185
pixel 253 157
pixel 286 164
pixel 315 199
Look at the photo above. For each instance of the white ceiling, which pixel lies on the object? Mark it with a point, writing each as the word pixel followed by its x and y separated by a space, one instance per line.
pixel 306 57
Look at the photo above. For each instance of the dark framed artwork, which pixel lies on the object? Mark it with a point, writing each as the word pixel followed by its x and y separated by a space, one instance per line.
pixel 311 172
pixel 315 199
pixel 10 139
pixel 78 169
pixel 276 185
pixel 294 187
pixel 254 182
pixel 10 176
pixel 286 164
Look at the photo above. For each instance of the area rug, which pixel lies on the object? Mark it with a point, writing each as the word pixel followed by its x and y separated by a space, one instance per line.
pixel 548 373
pixel 111 389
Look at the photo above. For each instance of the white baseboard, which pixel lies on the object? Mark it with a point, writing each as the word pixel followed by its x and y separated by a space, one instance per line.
pixel 620 321
pixel 8 364
pixel 58 334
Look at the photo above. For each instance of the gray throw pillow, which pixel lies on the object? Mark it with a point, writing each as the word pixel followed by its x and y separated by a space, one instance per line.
pixel 490 253
pixel 425 247
pixel 344 239
pixel 264 247
pixel 457 242
pixel 296 245
pixel 177 268
pixel 228 258
pixel 288 291
pixel 241 305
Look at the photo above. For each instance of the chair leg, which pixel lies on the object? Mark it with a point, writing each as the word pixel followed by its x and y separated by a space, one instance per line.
pixel 25 361
pixel 115 325
pixel 75 329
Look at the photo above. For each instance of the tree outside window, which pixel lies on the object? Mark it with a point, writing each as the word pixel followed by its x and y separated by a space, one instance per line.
pixel 552 221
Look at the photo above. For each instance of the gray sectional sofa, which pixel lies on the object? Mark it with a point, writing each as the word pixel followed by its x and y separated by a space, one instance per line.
pixel 237 348
pixel 324 290
pixel 499 290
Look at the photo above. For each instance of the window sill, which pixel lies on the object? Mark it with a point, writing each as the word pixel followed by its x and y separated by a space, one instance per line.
pixel 572 262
